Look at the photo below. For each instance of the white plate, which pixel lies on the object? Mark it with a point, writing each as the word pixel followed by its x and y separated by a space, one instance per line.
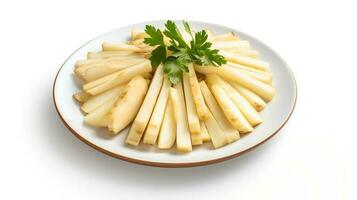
pixel 275 115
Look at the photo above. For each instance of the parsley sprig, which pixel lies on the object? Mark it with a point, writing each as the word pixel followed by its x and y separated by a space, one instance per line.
pixel 181 54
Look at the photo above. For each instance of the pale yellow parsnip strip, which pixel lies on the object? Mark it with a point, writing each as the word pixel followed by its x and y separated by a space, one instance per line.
pixel 153 128
pixel 141 120
pixel 127 107
pixel 230 132
pixel 167 135
pixel 193 120
pixel 200 105
pixel 183 138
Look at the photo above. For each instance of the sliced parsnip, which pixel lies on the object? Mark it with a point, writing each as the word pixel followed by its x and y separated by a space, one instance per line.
pixel 81 96
pixel 138 42
pixel 254 100
pixel 135 32
pixel 183 138
pixel 128 106
pixel 167 134
pixel 98 117
pixel 200 105
pixel 196 139
pixel 153 128
pixel 98 82
pixel 98 71
pixel 204 133
pixel 147 76
pixel 193 120
pixel 230 132
pixel 233 114
pixel 225 45
pixel 264 90
pixel 242 104
pixel 245 60
pixel 117 78
pixel 108 54
pixel 140 35
pixel 85 64
pixel 96 101
pixel 216 134
pixel 239 66
pixel 263 77
pixel 225 37
pixel 106 46
pixel 142 118
pixel 245 52
pixel 260 77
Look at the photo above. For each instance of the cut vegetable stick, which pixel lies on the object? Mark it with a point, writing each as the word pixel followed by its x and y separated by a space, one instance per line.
pixel 108 54
pixel 225 37
pixel 119 47
pixel 196 139
pixel 98 118
pixel 239 66
pixel 138 42
pixel 147 76
pixel 142 118
pixel 245 60
pixel 216 134
pixel 225 45
pixel 254 100
pixel 204 132
pixel 230 132
pixel 89 63
pixel 96 101
pixel 201 107
pixel 81 63
pixel 233 114
pixel 153 128
pixel 263 77
pixel 98 82
pixel 135 32
pixel 245 52
pixel 260 77
pixel 167 135
pixel 128 106
pixel 99 71
pixel 264 90
pixel 242 104
pixel 81 96
pixel 193 121
pixel 140 35
pixel 183 138
pixel 118 78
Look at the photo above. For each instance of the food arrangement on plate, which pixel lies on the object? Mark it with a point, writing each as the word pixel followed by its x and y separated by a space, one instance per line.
pixel 174 86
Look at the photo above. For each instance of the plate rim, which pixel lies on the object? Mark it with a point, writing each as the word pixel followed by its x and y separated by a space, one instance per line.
pixel 168 164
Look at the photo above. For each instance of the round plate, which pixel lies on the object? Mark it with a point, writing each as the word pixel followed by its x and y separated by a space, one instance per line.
pixel 275 115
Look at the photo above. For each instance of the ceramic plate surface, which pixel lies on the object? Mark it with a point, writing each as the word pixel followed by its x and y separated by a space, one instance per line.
pixel 275 115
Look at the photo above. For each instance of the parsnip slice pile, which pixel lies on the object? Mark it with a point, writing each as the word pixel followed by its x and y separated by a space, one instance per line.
pixel 211 104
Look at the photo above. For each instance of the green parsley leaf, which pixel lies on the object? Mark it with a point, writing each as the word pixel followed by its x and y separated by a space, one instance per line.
pixel 200 39
pixel 158 56
pixel 182 54
pixel 174 34
pixel 173 71
pixel 188 29
pixel 156 37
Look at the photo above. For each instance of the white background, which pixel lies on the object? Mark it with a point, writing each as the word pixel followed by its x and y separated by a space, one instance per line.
pixel 313 157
